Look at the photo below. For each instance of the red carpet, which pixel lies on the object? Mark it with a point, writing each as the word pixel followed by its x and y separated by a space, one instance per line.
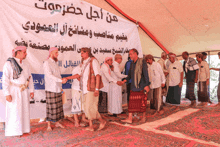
pixel 149 117
pixel 204 124
pixel 112 135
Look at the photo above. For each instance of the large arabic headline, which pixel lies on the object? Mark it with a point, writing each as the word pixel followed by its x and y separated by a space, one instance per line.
pixel 72 29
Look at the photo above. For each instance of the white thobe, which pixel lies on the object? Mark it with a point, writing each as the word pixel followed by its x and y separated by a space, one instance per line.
pixel 17 119
pixel 162 64
pixel 175 70
pixel 53 79
pixel 106 78
pixel 76 92
pixel 114 96
pixel 115 91
pixel 118 72
pixel 157 75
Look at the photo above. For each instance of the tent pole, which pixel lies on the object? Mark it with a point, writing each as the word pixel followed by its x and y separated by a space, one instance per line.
pixel 209 60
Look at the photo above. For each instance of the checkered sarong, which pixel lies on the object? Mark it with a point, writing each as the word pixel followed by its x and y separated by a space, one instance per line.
pixel 190 91
pixel 54 106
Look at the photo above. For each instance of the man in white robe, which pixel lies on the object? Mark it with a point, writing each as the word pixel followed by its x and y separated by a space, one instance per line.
pixel 157 83
pixel 53 89
pixel 16 78
pixel 165 71
pixel 115 93
pixel 107 79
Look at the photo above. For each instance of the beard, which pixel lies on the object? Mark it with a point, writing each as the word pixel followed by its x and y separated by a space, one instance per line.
pixel 54 58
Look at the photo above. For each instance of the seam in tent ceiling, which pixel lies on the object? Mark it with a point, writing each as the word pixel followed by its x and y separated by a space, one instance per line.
pixel 138 23
pixel 177 20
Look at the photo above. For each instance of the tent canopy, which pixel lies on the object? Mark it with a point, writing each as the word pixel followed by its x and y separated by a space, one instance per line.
pixel 187 25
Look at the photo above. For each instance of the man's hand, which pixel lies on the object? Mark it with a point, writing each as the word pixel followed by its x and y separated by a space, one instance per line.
pixel 32 95
pixel 9 98
pixel 162 85
pixel 207 82
pixel 96 93
pixel 124 81
pixel 64 80
pixel 120 83
pixel 196 80
pixel 180 84
pixel 147 89
pixel 77 76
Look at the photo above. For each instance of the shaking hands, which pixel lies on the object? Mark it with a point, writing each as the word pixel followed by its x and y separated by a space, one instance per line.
pixel 64 80
pixel 120 83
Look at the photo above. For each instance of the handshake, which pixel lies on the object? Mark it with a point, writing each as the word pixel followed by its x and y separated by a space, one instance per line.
pixel 120 83
pixel 64 80
pixel 76 76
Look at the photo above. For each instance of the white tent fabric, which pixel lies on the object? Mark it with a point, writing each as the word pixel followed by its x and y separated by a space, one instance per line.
pixel 186 25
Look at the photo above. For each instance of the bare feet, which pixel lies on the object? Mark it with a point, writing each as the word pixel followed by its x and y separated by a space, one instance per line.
pixel 59 125
pixel 49 129
pixel 127 121
pixel 89 129
pixel 85 120
pixel 176 109
pixel 70 119
pixel 143 120
pixel 83 124
pixel 155 113
pixel 193 104
pixel 161 112
pixel 102 125
pixel 205 104
pixel 76 124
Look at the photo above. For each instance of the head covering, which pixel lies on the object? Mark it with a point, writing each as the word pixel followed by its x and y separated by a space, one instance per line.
pixel 18 48
pixel 106 59
pixel 172 55
pixel 52 49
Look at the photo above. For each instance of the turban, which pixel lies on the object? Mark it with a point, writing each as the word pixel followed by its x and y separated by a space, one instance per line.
pixel 172 55
pixel 52 49
pixel 107 58
pixel 18 48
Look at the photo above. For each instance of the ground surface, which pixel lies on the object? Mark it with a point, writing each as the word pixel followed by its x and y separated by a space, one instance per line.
pixel 191 127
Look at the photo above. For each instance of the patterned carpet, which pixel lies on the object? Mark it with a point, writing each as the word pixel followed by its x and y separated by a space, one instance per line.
pixel 112 135
pixel 168 110
pixel 204 124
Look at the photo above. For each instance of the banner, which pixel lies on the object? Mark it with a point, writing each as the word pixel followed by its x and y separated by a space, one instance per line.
pixel 68 25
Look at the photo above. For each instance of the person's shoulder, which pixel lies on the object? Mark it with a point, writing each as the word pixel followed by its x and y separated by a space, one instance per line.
pixel 191 59
pixel 103 66
pixel 160 60
pixel 205 63
pixel 7 63
pixel 46 61
pixel 178 63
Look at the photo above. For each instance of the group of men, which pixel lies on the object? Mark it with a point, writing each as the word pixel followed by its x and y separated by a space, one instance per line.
pixel 98 89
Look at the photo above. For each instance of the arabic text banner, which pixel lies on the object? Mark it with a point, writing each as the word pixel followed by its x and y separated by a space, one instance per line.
pixel 68 25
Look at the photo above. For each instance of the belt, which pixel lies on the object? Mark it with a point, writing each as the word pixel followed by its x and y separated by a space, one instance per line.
pixel 21 86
